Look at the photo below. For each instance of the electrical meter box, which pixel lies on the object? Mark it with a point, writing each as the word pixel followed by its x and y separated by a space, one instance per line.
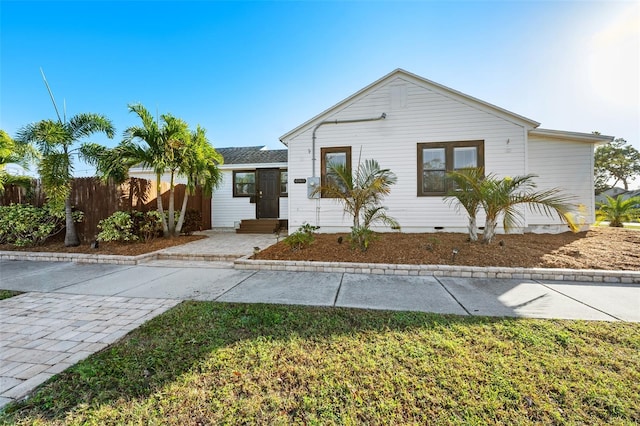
pixel 312 184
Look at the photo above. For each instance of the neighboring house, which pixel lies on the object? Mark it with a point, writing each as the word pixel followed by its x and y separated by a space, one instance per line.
pixel 614 192
pixel 421 130
pixel 254 185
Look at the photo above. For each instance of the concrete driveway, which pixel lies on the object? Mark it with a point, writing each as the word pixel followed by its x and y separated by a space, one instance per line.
pixel 71 310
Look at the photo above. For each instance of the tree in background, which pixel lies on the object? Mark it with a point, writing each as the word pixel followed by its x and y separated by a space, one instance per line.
pixel 16 153
pixel 617 210
pixel 616 161
pixel 55 141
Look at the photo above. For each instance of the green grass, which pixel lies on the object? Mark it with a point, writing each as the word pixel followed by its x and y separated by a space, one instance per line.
pixel 5 294
pixel 213 363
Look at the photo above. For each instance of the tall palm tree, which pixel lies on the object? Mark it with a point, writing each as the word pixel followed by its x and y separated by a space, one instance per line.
pixel 55 140
pixel 361 195
pixel 165 147
pixel 156 147
pixel 199 164
pixel 467 194
pixel 618 210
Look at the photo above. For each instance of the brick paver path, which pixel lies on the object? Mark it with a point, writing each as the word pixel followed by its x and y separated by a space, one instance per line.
pixel 41 334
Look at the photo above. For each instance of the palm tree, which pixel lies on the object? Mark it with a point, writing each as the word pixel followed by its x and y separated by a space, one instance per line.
pixel 467 194
pixel 618 210
pixel 55 140
pixel 153 146
pixel 200 163
pixel 505 196
pixel 361 195
pixel 16 153
pixel 166 147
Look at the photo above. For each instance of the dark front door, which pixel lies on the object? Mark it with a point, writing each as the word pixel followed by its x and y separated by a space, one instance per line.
pixel 268 194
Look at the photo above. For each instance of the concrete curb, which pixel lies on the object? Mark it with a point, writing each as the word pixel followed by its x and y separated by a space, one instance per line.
pixel 244 262
pixel 581 275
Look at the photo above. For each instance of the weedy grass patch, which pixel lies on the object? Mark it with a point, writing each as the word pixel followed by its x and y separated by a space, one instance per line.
pixel 215 363
pixel 5 294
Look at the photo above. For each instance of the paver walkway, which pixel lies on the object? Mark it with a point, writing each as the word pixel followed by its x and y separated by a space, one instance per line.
pixel 41 334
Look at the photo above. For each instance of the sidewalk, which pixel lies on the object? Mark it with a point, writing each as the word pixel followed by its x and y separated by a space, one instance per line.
pixel 72 309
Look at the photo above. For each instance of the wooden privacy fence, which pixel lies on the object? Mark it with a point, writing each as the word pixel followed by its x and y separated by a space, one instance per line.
pixel 99 200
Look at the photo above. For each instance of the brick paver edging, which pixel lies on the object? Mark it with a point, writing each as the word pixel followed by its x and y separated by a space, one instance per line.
pixel 113 259
pixel 76 257
pixel 584 275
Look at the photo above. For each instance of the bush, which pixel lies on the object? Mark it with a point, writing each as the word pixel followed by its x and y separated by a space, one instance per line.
pixel 192 222
pixel 25 225
pixel 130 226
pixel 302 237
pixel 361 237
pixel 117 227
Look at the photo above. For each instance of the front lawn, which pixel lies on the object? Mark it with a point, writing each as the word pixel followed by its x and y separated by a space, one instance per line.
pixel 214 363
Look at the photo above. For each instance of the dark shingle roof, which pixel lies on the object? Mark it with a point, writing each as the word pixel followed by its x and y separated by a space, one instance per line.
pixel 252 155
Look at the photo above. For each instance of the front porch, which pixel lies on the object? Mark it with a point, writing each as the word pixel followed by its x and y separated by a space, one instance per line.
pixel 262 226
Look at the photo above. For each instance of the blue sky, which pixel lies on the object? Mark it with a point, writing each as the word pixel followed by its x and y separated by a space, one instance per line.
pixel 251 71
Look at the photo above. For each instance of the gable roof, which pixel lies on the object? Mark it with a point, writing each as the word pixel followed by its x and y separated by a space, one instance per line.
pixel 252 155
pixel 436 87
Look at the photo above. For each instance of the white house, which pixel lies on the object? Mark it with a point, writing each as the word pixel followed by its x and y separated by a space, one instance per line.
pixel 420 130
pixel 254 186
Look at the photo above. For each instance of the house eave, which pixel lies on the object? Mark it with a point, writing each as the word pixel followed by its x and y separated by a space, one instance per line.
pixel 572 136
pixel 249 166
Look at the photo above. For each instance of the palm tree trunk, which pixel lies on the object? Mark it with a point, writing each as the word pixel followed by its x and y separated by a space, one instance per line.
pixel 489 230
pixel 473 229
pixel 165 229
pixel 183 211
pixel 71 235
pixel 172 214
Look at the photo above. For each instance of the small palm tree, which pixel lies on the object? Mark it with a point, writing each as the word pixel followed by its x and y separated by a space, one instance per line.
pixel 505 196
pixel 361 195
pixel 467 194
pixel 618 210
pixel 55 140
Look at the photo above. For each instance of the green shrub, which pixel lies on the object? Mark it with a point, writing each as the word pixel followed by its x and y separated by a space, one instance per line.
pixel 26 225
pixel 302 238
pixel 130 226
pixel 361 237
pixel 192 222
pixel 117 227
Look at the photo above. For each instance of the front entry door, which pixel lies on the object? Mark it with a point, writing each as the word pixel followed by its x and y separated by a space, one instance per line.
pixel 268 194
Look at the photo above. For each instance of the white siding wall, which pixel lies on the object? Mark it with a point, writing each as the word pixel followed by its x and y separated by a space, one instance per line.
pixel 227 210
pixel 424 116
pixel 567 165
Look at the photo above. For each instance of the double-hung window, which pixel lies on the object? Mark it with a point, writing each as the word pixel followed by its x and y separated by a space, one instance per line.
pixel 436 159
pixel 330 157
pixel 244 183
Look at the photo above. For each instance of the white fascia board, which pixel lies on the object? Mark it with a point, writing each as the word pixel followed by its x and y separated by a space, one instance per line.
pixel 249 166
pixel 572 136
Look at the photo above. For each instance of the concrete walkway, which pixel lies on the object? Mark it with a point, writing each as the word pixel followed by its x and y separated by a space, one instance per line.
pixel 71 310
